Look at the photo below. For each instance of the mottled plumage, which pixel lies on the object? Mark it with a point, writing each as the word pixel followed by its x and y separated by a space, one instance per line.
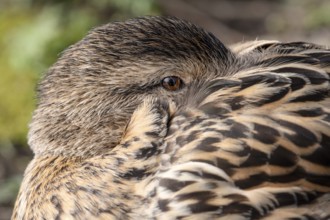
pixel 246 136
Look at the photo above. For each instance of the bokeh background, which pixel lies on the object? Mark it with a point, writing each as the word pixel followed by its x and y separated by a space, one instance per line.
pixel 34 32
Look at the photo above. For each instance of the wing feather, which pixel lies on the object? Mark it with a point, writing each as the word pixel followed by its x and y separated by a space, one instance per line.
pixel 257 145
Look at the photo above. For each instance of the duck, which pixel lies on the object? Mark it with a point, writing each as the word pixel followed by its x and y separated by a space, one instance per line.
pixel 156 118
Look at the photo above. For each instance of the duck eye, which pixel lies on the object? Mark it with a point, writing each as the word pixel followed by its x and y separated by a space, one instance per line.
pixel 172 83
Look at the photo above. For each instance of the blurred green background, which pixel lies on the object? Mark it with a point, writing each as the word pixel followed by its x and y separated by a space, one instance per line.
pixel 34 32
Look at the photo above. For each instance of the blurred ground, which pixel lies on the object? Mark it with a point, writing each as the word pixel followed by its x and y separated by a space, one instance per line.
pixel 237 20
pixel 33 32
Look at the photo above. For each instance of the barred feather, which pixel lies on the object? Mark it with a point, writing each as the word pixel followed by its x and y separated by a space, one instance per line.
pixel 258 142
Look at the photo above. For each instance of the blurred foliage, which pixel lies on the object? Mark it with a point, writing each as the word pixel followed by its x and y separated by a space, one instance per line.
pixel 319 15
pixel 32 34
pixel 298 15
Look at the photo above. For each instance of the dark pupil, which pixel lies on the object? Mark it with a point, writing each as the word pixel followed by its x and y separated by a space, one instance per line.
pixel 171 81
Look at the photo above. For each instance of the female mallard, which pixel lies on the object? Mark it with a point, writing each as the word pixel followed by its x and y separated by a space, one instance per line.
pixel 155 118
